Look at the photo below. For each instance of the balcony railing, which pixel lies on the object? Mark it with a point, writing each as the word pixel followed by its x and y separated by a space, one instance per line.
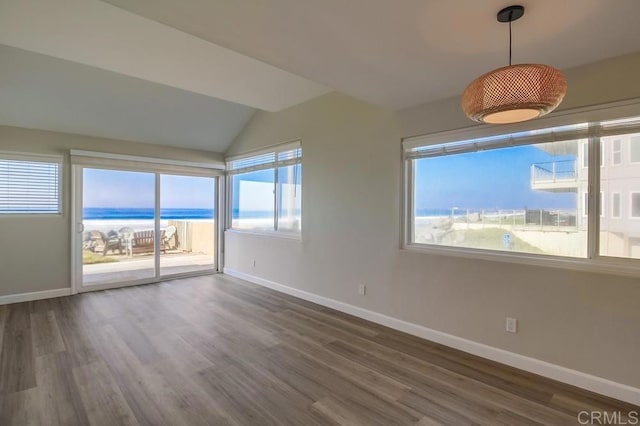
pixel 554 175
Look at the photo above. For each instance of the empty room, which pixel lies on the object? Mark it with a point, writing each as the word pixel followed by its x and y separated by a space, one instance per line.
pixel 286 212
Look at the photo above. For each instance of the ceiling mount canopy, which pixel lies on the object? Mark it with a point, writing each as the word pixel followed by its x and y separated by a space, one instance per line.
pixel 516 92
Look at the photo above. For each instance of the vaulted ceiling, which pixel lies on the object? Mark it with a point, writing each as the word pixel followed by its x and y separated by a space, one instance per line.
pixel 191 72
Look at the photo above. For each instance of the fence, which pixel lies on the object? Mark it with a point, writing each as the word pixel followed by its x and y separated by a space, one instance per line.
pixel 525 218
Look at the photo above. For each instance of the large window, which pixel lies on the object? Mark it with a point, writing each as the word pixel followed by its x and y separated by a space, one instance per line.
pixel 29 184
pixel 530 192
pixel 266 190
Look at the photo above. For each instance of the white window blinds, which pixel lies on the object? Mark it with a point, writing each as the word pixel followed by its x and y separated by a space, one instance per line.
pixel 281 156
pixel 29 184
pixel 424 146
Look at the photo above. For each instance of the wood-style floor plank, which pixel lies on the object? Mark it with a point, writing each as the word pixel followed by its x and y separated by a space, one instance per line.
pixel 101 396
pixel 17 360
pixel 45 333
pixel 215 350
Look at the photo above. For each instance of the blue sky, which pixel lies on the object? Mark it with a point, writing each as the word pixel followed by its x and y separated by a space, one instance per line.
pixel 493 179
pixel 107 188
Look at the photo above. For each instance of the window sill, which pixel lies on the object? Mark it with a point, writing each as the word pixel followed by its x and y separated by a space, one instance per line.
pixel 294 236
pixel 612 266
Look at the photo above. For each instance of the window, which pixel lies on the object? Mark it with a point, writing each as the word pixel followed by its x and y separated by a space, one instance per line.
pixel 635 204
pixel 621 238
pixel 615 205
pixel 616 152
pixel 522 193
pixel 634 149
pixel 266 190
pixel 29 184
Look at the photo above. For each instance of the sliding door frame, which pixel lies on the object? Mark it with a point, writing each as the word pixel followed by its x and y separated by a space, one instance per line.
pixel 77 227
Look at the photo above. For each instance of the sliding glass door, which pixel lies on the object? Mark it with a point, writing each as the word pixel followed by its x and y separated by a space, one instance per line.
pixel 187 217
pixel 118 218
pixel 135 227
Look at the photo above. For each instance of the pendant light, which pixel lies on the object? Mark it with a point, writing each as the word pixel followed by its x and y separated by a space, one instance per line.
pixel 516 92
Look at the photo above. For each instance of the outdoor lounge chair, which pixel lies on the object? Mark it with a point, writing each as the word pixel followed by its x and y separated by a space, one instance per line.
pixel 169 238
pixel 99 241
pixel 126 239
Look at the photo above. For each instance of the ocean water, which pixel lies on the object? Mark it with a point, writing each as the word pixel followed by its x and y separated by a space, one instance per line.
pixel 102 213
pixel 126 213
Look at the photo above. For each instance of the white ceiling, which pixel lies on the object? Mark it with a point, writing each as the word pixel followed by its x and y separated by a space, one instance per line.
pixel 405 52
pixel 190 73
pixel 38 91
pixel 94 33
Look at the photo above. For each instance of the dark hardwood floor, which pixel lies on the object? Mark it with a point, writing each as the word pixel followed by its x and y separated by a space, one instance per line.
pixel 217 350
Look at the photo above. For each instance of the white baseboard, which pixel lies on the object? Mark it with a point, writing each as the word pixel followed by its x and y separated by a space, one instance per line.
pixel 566 375
pixel 35 295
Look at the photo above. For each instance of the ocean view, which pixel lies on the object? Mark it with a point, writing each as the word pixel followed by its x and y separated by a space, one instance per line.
pixel 128 213
pixel 97 213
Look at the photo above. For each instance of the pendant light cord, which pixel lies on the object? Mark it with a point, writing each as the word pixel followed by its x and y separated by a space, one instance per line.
pixel 509 42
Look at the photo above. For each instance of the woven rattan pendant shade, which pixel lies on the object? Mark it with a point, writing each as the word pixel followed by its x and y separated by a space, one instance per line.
pixel 514 93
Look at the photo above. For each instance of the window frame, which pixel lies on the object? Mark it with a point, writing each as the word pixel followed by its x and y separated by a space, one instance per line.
pixel 602 120
pixel 631 215
pixel 274 150
pixel 40 158
pixel 613 205
pixel 630 154
pixel 615 151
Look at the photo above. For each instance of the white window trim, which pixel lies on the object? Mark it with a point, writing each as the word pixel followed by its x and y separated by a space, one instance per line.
pixel 274 233
pixel 630 157
pixel 631 216
pixel 613 194
pixel 614 151
pixel 287 235
pixel 584 163
pixel 46 158
pixel 593 262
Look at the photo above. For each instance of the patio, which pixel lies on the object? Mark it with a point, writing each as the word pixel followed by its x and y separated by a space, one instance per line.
pixel 142 266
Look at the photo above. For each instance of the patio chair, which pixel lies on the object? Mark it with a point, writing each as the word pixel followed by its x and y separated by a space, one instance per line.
pixel 126 239
pixel 98 240
pixel 169 234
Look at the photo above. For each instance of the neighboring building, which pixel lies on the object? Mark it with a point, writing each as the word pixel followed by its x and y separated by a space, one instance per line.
pixel 620 189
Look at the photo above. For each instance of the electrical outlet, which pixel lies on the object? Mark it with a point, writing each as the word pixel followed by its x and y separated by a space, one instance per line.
pixel 362 289
pixel 254 262
pixel 512 325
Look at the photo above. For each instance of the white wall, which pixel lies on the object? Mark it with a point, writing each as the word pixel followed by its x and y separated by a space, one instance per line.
pixel 35 251
pixel 351 234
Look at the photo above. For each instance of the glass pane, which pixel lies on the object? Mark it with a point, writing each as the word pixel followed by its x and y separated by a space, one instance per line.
pixel 633 141
pixel 253 200
pixel 522 199
pixel 187 224
pixel 290 198
pixel 118 217
pixel 620 231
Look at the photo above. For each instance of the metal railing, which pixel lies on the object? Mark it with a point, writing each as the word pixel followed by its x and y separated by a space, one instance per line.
pixel 556 218
pixel 556 171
